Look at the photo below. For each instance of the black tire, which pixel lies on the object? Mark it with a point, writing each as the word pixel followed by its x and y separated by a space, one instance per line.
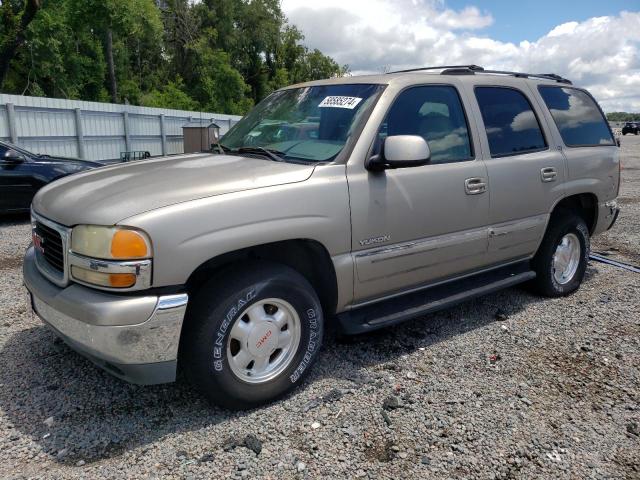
pixel 216 308
pixel 561 224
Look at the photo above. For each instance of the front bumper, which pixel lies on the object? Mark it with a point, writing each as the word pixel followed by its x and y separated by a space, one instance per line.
pixel 132 337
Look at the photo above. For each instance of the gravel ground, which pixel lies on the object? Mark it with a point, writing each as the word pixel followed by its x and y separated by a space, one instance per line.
pixel 507 386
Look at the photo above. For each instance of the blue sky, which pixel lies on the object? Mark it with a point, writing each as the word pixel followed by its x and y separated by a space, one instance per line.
pixel 515 20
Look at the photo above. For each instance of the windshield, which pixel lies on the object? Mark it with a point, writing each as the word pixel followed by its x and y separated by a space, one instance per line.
pixel 307 123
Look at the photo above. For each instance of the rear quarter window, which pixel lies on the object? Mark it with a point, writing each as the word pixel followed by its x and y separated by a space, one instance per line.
pixel 577 116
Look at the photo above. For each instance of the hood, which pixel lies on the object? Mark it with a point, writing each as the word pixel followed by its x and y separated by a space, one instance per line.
pixel 74 163
pixel 104 196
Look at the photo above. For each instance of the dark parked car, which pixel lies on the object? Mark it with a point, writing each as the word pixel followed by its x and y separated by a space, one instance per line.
pixel 23 173
pixel 631 127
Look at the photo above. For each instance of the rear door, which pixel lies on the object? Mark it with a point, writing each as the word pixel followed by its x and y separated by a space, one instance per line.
pixel 526 170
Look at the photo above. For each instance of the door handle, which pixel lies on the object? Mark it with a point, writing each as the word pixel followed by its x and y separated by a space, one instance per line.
pixel 475 185
pixel 548 174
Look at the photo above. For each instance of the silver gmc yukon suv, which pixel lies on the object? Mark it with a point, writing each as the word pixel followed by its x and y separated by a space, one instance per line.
pixel 362 201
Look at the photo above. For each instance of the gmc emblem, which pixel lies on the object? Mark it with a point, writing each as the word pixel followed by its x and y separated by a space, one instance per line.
pixel 38 242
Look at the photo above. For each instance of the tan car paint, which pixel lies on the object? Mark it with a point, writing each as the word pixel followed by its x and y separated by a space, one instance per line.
pixel 196 207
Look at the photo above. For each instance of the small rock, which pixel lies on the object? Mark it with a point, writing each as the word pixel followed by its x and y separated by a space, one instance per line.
pixel 633 428
pixel 425 460
pixel 411 375
pixel 62 453
pixel 311 404
pixel 229 444
pixel 49 422
pixel 392 402
pixel 253 443
pixel 403 455
pixel 301 466
pixel 395 448
pixel 181 454
pixel 586 348
pixel 315 425
pixel 207 457
pixel 332 396
pixel 386 418
pixel 80 463
pixel 526 401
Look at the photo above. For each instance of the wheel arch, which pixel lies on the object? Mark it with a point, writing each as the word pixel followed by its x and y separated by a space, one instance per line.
pixel 584 204
pixel 308 257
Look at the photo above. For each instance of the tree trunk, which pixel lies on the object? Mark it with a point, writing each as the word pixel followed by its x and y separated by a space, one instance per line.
pixel 113 86
pixel 11 45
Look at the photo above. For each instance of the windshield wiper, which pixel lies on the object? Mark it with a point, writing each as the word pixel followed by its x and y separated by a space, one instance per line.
pixel 272 154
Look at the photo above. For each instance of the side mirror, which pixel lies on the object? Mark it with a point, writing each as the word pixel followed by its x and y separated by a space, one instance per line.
pixel 13 156
pixel 401 151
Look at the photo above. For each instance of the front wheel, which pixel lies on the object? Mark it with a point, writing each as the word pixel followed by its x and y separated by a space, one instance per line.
pixel 252 335
pixel 561 260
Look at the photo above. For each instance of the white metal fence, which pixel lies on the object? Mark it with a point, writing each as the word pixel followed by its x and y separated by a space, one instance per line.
pixel 96 131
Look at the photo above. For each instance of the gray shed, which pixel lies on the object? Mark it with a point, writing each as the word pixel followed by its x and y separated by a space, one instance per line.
pixel 199 135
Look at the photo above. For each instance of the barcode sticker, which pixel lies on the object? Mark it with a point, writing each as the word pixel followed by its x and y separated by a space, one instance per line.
pixel 340 102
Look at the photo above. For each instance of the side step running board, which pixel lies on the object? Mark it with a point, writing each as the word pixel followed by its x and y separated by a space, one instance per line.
pixel 399 309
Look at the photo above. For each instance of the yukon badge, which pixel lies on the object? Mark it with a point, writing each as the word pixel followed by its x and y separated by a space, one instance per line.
pixel 374 240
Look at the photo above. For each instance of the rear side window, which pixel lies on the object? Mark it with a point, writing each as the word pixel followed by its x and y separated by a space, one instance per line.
pixel 435 113
pixel 577 116
pixel 512 126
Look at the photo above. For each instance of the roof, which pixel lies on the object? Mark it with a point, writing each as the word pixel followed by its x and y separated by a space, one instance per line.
pixel 438 71
pixel 200 124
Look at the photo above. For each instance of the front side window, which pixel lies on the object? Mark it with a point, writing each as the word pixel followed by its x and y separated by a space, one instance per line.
pixel 577 117
pixel 309 124
pixel 512 126
pixel 436 114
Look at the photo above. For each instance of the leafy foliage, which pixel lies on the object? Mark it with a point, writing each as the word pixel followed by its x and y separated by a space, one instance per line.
pixel 215 55
pixel 623 117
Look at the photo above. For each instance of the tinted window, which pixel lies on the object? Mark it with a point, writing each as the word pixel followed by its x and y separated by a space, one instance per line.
pixel 511 125
pixel 436 114
pixel 577 116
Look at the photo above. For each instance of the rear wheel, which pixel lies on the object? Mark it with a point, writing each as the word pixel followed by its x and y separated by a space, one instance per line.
pixel 561 260
pixel 252 335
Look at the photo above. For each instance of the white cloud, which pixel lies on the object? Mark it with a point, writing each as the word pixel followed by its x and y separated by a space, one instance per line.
pixel 601 53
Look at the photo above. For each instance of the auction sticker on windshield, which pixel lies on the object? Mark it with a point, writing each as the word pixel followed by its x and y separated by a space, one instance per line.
pixel 339 101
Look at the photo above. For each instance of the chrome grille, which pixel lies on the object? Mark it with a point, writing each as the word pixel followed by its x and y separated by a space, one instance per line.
pixel 50 246
pixel 51 242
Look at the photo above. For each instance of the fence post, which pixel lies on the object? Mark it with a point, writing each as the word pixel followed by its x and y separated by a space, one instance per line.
pixel 80 134
pixel 11 116
pixel 127 136
pixel 163 135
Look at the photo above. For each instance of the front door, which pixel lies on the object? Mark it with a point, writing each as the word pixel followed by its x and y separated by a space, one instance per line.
pixel 414 226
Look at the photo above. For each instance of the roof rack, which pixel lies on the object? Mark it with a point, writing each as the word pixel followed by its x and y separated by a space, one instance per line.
pixel 473 69
pixel 441 67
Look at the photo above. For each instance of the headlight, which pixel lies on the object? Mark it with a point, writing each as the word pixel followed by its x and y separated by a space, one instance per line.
pixel 110 257
pixel 116 243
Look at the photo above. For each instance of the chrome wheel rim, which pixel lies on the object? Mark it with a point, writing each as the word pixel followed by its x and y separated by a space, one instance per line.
pixel 263 340
pixel 566 258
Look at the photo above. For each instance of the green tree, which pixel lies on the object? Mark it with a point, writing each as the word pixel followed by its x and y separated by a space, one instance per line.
pixel 171 95
pixel 217 55
pixel 15 17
